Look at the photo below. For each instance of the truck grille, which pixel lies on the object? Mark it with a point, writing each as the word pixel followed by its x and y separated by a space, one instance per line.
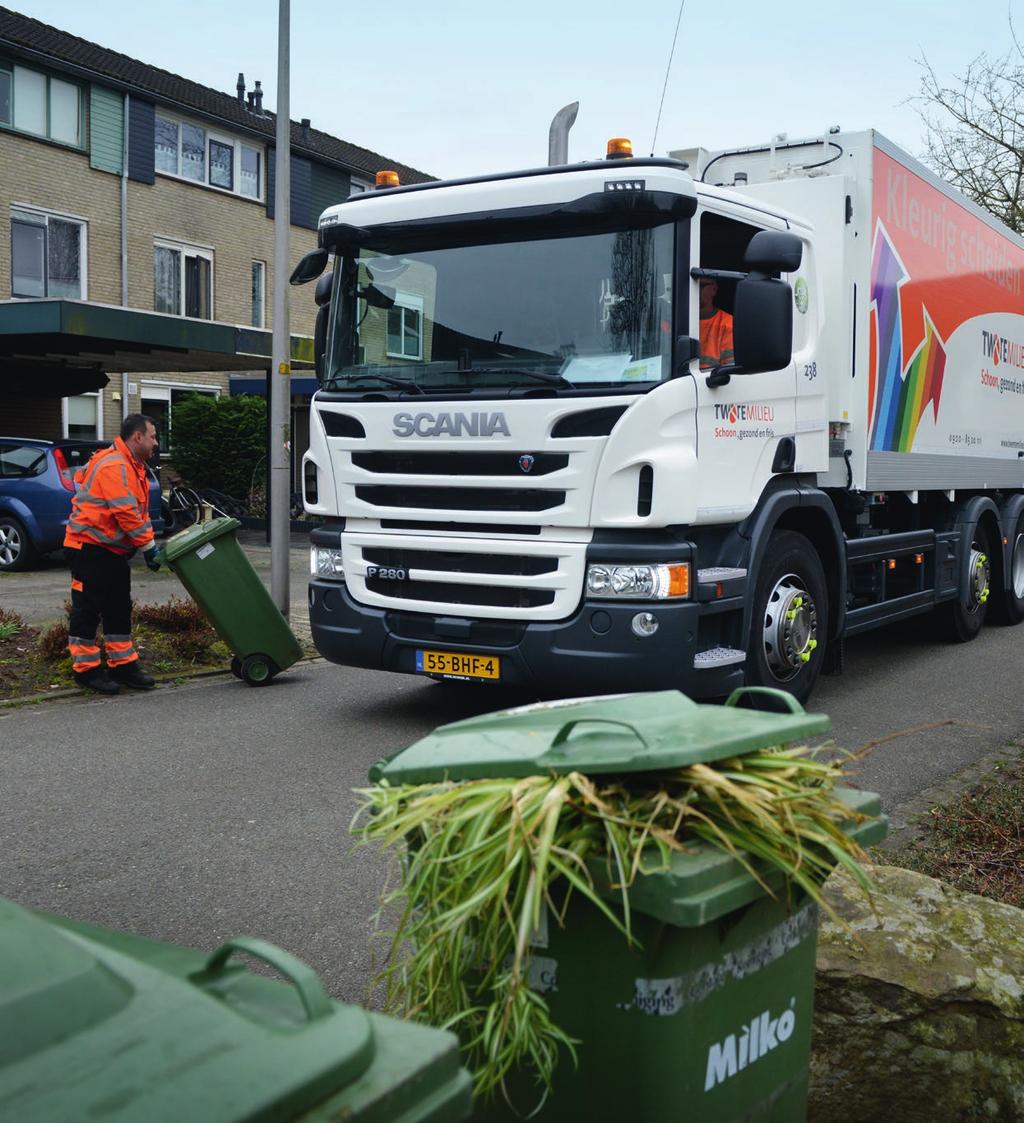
pixel 503 581
pixel 451 561
pixel 459 498
pixel 460 463
pixel 435 591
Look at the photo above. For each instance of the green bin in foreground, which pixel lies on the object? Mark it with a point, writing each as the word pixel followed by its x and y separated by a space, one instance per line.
pixel 100 1025
pixel 211 565
pixel 709 1020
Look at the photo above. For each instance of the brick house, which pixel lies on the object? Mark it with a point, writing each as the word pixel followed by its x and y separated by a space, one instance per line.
pixel 128 185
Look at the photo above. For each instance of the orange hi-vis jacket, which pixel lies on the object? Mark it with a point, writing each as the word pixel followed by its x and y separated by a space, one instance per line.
pixel 111 507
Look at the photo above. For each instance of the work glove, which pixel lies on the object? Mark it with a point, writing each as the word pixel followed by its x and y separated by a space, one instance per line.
pixel 151 558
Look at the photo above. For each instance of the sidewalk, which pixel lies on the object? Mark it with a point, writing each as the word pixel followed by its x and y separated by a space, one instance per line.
pixel 38 594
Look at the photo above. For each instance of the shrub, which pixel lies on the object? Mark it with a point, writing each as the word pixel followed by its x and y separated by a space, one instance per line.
pixel 177 615
pixel 219 442
pixel 11 624
pixel 52 644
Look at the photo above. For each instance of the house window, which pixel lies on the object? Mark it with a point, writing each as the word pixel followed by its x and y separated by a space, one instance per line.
pixel 158 402
pixel 358 187
pixel 259 289
pixel 405 327
pixel 183 280
pixel 83 417
pixel 5 97
pixel 47 255
pixel 191 152
pixel 43 106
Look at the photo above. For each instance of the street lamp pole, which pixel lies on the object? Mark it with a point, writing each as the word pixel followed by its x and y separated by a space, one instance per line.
pixel 279 404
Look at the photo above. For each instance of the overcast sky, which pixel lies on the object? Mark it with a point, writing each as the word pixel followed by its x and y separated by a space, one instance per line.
pixel 463 87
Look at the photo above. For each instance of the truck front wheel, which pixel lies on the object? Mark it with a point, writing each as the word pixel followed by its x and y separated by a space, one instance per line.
pixel 789 621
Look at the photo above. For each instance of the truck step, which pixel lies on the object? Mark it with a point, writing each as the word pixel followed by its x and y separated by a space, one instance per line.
pixel 717 657
pixel 719 573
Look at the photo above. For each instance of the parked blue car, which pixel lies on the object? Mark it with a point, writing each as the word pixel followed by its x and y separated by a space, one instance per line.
pixel 37 481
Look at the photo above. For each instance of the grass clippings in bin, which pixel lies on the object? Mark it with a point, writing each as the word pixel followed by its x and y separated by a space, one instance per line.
pixel 482 858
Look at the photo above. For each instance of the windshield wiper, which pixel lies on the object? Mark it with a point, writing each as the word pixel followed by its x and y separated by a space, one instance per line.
pixel 540 375
pixel 401 383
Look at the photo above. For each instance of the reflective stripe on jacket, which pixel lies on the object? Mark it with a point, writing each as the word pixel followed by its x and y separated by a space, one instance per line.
pixel 111 507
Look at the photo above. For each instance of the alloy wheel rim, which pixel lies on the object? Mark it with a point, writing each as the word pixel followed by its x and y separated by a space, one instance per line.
pixel 10 545
pixel 979 577
pixel 790 632
pixel 1017 568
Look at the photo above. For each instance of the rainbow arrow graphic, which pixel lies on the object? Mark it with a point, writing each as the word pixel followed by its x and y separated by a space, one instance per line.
pixel 901 396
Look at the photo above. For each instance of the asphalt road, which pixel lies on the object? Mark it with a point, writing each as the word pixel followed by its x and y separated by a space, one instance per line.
pixel 209 810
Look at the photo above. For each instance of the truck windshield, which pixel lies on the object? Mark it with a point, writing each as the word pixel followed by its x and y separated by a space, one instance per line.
pixel 589 311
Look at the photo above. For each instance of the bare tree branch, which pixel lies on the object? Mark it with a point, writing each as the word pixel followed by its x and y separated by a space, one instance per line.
pixel 975 130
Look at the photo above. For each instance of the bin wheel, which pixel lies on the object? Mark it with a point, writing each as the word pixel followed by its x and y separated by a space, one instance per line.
pixel 236 666
pixel 257 670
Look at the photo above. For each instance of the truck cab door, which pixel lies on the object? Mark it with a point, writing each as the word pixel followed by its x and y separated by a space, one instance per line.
pixel 746 429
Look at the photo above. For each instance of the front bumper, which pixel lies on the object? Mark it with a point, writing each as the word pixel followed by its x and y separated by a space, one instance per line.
pixel 593 650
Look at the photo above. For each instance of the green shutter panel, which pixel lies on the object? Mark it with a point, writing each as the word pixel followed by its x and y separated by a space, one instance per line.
pixel 106 129
pixel 330 187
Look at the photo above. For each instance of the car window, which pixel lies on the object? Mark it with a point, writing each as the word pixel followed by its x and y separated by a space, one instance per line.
pixel 77 456
pixel 21 461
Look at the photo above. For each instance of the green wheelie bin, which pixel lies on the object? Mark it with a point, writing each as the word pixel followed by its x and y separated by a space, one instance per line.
pixel 708 1020
pixel 101 1025
pixel 211 565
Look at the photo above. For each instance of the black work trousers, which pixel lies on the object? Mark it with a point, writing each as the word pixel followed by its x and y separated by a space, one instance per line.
pixel 101 590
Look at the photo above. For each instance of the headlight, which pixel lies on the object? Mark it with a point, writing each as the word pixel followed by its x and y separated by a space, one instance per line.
pixel 639 582
pixel 324 562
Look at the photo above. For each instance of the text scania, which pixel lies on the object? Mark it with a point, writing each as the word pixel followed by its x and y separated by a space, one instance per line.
pixel 450 425
pixel 733 412
pixel 755 1040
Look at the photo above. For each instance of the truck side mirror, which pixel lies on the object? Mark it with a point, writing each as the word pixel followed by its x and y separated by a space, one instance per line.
pixel 763 324
pixel 310 267
pixel 773 251
pixel 322 296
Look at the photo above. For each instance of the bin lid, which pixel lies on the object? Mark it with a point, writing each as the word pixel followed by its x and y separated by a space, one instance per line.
pixel 618 733
pixel 196 535
pixel 117 1027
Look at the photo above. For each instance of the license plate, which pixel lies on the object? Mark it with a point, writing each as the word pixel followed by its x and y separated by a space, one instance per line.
pixel 450 664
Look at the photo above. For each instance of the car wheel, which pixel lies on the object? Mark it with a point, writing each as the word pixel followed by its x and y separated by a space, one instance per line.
pixel 789 621
pixel 16 549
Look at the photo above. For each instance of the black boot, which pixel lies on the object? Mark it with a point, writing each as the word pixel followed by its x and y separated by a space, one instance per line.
pixel 132 675
pixel 96 679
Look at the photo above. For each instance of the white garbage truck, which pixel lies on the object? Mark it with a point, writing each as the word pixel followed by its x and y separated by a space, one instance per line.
pixel 645 423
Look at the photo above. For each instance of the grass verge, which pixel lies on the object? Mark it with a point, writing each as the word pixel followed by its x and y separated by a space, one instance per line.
pixel 173 640
pixel 974 842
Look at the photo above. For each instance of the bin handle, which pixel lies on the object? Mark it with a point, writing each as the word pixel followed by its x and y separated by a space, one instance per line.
pixel 563 734
pixel 786 703
pixel 305 980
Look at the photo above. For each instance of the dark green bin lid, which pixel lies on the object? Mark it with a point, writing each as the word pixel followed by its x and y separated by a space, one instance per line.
pixel 621 733
pixel 100 1025
pixel 198 534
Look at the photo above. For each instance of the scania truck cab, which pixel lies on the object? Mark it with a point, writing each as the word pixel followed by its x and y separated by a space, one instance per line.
pixel 528 474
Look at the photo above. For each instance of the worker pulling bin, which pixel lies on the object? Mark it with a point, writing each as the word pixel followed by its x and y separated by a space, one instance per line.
pixel 211 565
pixel 708 1015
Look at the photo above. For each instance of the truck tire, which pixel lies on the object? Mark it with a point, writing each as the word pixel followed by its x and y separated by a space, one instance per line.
pixel 960 622
pixel 1009 608
pixel 789 621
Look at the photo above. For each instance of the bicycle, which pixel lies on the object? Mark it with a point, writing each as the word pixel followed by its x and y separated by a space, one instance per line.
pixel 181 508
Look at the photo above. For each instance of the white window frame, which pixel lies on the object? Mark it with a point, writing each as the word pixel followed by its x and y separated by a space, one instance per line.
pixel 412 303
pixel 186 250
pixel 236 144
pixel 9 69
pixel 83 246
pixel 65 419
pixel 263 292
